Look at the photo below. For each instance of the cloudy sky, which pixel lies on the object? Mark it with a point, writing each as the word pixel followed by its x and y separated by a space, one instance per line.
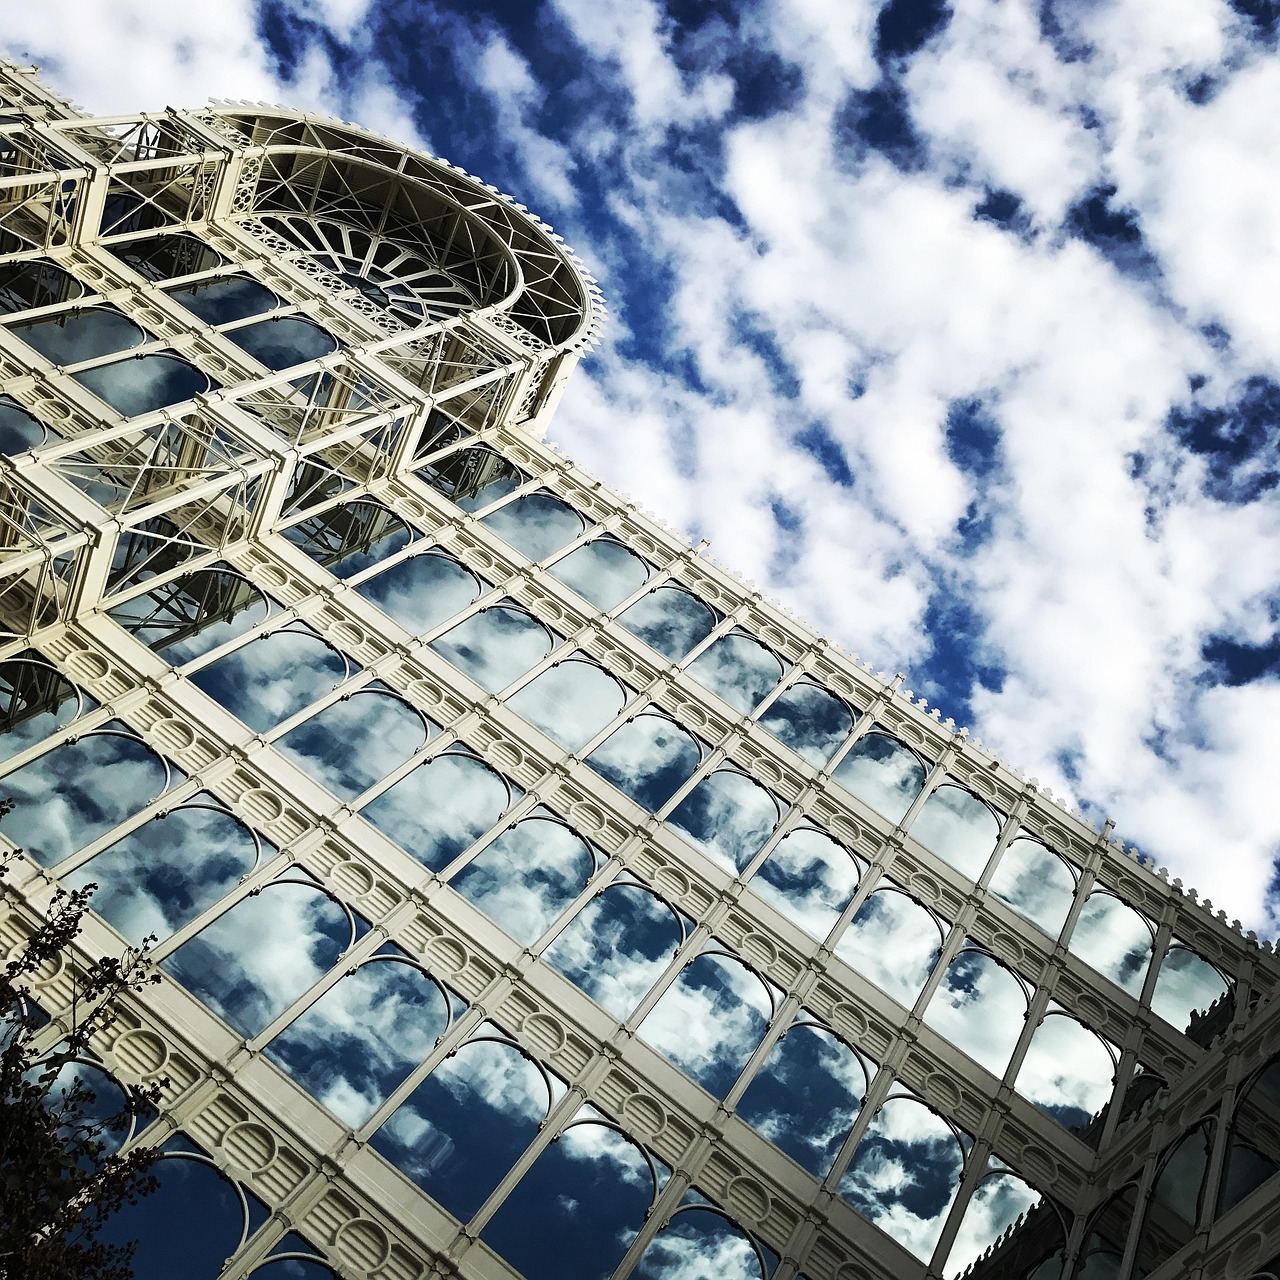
pixel 952 326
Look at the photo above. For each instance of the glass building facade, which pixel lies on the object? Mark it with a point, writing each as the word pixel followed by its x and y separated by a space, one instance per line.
pixel 532 897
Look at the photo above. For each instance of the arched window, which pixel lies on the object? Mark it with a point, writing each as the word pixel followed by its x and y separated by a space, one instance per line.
pixel 959 828
pixel 350 538
pixel 496 646
pixel 728 816
pixel 883 773
pixel 602 571
pixel 1000 1200
pixel 893 940
pixel 165 257
pixel 649 758
pixel 72 337
pixel 1185 985
pixel 669 620
pixel 283 341
pixel 980 1007
pixel 1251 1159
pixel 808 877
pixel 809 720
pixel 1036 883
pixel 1068 1071
pixel 1173 1208
pixel 700 1241
pixel 144 383
pixel 570 701
pixel 29 283
pixel 35 702
pixel 226 298
pixel 19 431
pixel 1115 940
pixel 474 478
pixel 536 524
pixel 422 592
pixel 739 669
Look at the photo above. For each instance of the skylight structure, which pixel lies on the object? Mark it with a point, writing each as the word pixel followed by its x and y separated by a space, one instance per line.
pixel 533 898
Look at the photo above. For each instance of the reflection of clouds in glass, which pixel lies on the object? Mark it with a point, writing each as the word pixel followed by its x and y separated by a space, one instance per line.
pixel 527 876
pixel 738 668
pixel 168 871
pixel 77 792
pixel 806 1095
pixel 808 877
pixel 422 592
pixel 709 1021
pixel 362 1037
pixel 273 677
pixel 70 337
pixel 473 477
pixel 226 298
pixel 998 1201
pixel 980 1007
pixel 1067 1072
pixel 252 962
pixel 1185 984
pixel 882 772
pixel 602 571
pixel 354 743
pixel 35 701
pixel 729 816
pixel 466 1124
pixel 649 759
pixel 570 702
pixel 536 524
pixel 808 719
pixel 347 539
pixel 905 1174
pixel 1036 883
pixel 697 1244
pixel 893 941
pixel 1115 940
pixel 669 620
pixel 957 827
pixel 495 646
pixel 440 808
pixel 617 947
pixel 103 1101
pixel 284 341
pixel 577 1209
pixel 142 384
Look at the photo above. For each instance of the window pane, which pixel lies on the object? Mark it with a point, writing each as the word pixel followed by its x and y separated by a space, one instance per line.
pixel 1036 883
pixel 649 759
pixel 1115 940
pixel 35 701
pixel 738 668
pixel 998 1201
pixel 225 299
pixel 602 571
pixel 570 702
pixel 980 1007
pixel 167 256
pixel 959 828
pixel 894 941
pixel 32 282
pixel 351 537
pixel 473 478
pixel 880 771
pixel 1185 985
pixel 669 620
pixel 536 524
pixel 698 1243
pixel 495 646
pixel 19 431
pixel 284 341
pixel 1067 1072
pixel 74 336
pixel 728 816
pixel 422 592
pixel 808 877
pixel 142 384
pixel 809 720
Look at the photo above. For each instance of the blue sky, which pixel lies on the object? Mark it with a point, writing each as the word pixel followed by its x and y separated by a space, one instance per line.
pixel 950 325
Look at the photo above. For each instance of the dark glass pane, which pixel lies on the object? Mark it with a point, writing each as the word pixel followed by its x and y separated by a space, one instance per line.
pixel 441 808
pixel 669 620
pixel 422 592
pixel 362 1037
pixel 469 1121
pixel 167 256
pixel 225 299
pixel 274 676
pixel 473 477
pixel 495 646
pixel 351 537
pixel 33 282
pixel 527 876
pixel 254 961
pixel 70 337
pixel 169 870
pixel 728 816
pixel 35 701
pixel 19 431
pixel 806 1096
pixel 142 384
pixel 698 1244
pixel 893 941
pixel 283 342
pixel 570 702
pixel 536 524
pixel 1067 1072
pixel 1115 940
pixel 710 1020
pixel 738 668
pixel 78 791
pixel 356 742
pixel 649 759
pixel 576 1211
pixel 980 1007
pixel 882 772
pixel 808 877
pixel 192 614
pixel 293 1269
pixel 809 720
pixel 603 572
pixel 617 946
pixel 1036 883
pixel 959 828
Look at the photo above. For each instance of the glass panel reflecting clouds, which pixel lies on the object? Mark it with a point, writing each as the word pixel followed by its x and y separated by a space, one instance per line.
pixel 893 941
pixel 167 256
pixel 73 336
pixel 980 1007
pixel 669 620
pixel 696 1244
pixel 1036 883
pixel 284 341
pixel 536 524
pixel 959 828
pixel 527 876
pixel 729 816
pixel 274 676
pixel 602 571
pixel 570 701
pixel 998 1201
pixel 495 646
pixel 883 773
pixel 709 1021
pixel 617 946
pixel 255 960
pixel 739 669
pixel 225 299
pixel 806 1096
pixel 77 792
pixel 473 478
pixel 808 877
pixel 809 720
pixel 1186 984
pixel 363 1036
pixel 1115 940
pixel 467 1123
pixel 170 869
pixel 142 384
pixel 905 1174
pixel 35 701
pixel 351 537
pixel 1068 1072
pixel 422 592
pixel 648 758
pixel 357 741
pixel 442 807
pixel 578 1209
